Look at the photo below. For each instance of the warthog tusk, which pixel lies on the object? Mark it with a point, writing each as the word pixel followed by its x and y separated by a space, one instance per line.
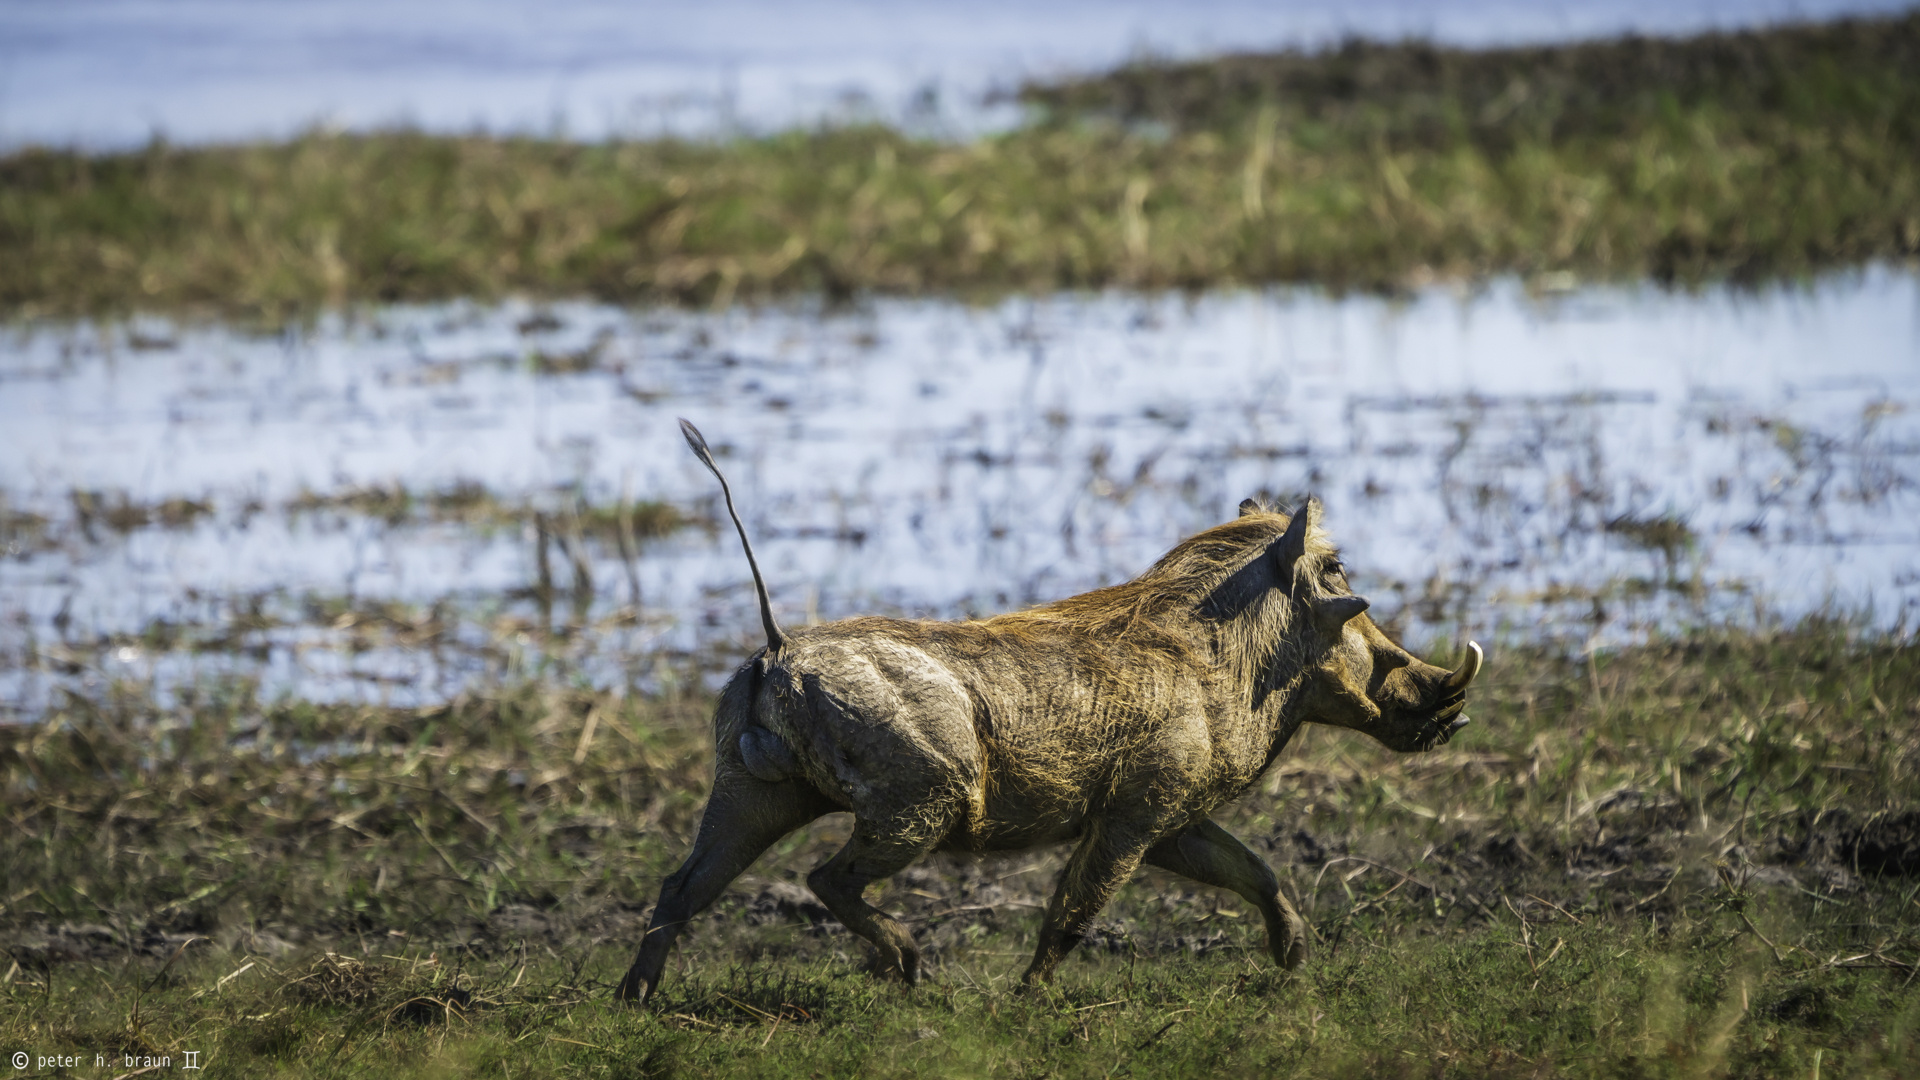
pixel 1468 668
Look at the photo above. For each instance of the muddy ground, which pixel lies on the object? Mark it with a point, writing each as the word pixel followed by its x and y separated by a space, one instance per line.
pixel 1633 855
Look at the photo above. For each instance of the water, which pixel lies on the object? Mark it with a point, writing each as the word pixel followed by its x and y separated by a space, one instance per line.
pixel 1585 467
pixel 115 72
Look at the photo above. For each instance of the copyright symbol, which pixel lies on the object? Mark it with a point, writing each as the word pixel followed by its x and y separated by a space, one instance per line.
pixel 20 1059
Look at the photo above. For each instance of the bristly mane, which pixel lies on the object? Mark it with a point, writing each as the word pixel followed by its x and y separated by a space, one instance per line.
pixel 1157 609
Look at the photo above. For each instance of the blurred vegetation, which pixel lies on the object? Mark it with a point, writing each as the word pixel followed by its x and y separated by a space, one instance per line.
pixel 1744 156
pixel 472 504
pixel 1695 857
pixel 1419 94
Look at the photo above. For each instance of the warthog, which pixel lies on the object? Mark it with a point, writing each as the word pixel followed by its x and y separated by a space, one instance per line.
pixel 1118 719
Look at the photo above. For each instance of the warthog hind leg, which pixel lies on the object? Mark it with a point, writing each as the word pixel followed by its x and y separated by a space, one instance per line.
pixel 1211 855
pixel 877 850
pixel 744 818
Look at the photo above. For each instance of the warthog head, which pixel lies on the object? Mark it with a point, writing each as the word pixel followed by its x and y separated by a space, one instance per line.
pixel 1355 676
pixel 1360 679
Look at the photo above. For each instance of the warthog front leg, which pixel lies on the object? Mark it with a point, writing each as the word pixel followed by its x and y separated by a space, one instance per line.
pixel 744 817
pixel 1106 858
pixel 1211 855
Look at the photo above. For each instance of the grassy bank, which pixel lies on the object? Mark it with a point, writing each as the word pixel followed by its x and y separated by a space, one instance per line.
pixel 1747 156
pixel 1697 857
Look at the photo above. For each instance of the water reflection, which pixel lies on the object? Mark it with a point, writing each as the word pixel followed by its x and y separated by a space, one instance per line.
pixel 392 506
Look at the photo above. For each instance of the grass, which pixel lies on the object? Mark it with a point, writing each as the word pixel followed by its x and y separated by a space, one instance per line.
pixel 1747 156
pixel 1698 857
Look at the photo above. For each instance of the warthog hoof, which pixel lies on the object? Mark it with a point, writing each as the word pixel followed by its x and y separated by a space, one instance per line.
pixel 1293 952
pixel 1289 939
pixel 1034 988
pixel 632 990
pixel 902 968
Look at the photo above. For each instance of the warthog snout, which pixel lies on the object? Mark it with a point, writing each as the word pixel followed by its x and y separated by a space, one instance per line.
pixel 1446 702
pixel 1430 706
pixel 1450 701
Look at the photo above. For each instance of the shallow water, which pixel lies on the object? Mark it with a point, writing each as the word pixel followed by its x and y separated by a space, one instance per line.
pixel 116 72
pixel 1581 467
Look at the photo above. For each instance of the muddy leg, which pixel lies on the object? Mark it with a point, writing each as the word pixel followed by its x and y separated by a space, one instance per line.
pixel 875 852
pixel 1209 854
pixel 744 817
pixel 1102 863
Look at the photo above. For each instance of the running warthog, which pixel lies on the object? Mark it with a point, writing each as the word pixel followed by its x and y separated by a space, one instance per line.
pixel 1119 719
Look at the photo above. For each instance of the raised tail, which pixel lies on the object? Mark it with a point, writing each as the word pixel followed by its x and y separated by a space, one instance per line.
pixel 775 638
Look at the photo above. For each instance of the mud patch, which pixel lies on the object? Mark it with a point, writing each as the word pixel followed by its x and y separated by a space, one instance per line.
pixel 1884 844
pixel 66 943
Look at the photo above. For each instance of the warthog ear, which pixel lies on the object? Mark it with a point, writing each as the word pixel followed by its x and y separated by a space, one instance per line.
pixel 1331 614
pixel 1293 543
pixel 1249 506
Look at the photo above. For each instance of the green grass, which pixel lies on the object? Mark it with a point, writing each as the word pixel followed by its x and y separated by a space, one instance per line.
pixel 1698 1001
pixel 1693 858
pixel 1751 157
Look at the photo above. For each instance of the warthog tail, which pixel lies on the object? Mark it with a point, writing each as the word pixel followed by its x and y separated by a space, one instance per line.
pixel 775 638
